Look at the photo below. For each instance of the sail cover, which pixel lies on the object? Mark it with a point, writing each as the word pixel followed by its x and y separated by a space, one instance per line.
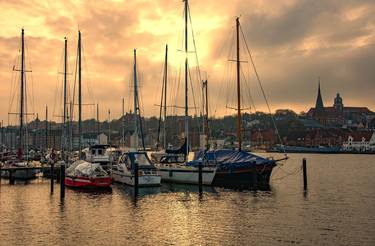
pixel 181 150
pixel 229 157
pixel 84 168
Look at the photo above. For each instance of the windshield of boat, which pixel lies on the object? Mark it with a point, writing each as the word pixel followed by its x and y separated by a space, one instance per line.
pixel 142 159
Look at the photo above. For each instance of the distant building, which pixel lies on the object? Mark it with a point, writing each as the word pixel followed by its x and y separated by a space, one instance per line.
pixel 338 115
pixel 316 137
pixel 102 138
pixel 360 141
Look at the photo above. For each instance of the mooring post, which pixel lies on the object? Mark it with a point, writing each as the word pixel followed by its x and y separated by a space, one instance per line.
pixel 136 176
pixel 200 178
pixel 304 168
pixel 254 178
pixel 62 180
pixel 11 177
pixel 52 176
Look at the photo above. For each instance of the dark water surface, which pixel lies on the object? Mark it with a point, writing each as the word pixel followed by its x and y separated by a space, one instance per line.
pixel 339 209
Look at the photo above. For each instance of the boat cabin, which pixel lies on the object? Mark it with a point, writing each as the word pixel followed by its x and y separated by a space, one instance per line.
pixel 97 153
pixel 130 158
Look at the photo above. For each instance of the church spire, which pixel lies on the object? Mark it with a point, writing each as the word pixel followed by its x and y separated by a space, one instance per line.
pixel 319 107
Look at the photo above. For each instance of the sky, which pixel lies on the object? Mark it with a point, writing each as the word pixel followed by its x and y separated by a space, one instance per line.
pixel 293 42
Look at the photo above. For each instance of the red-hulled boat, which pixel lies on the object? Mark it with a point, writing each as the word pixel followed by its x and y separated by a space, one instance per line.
pixel 83 174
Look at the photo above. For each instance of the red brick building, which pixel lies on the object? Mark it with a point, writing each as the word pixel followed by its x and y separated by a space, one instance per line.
pixel 338 115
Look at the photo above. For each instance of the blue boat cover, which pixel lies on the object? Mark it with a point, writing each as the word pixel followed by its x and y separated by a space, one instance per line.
pixel 227 159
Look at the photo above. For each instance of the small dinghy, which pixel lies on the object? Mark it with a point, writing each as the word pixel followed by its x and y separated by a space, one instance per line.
pixel 83 174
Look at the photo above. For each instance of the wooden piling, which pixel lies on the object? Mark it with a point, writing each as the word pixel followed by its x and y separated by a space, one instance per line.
pixel 254 178
pixel 52 176
pixel 62 180
pixel 136 176
pixel 11 177
pixel 200 178
pixel 304 168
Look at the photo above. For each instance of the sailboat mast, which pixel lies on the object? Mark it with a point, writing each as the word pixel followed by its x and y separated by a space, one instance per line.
pixel 65 103
pixel 205 83
pixel 22 89
pixel 123 122
pixel 79 95
pixel 186 80
pixel 135 100
pixel 109 126
pixel 46 133
pixel 97 119
pixel 165 95
pixel 239 137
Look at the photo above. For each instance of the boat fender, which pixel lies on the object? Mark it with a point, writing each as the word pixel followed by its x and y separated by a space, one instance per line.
pixel 170 173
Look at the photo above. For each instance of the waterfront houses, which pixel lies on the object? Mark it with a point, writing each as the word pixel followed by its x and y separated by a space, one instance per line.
pixel 362 141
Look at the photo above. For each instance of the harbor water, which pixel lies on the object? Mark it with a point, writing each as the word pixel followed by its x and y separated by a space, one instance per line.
pixel 338 209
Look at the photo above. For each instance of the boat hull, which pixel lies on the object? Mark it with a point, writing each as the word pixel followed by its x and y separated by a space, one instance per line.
pixel 186 175
pixel 21 174
pixel 83 182
pixel 254 178
pixel 143 180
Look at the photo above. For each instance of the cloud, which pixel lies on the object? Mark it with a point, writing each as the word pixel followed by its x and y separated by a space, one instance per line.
pixel 293 42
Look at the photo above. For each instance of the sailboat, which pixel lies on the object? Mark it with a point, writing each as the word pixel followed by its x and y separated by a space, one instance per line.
pixel 20 160
pixel 84 174
pixel 171 168
pixel 237 168
pixel 125 169
pixel 166 154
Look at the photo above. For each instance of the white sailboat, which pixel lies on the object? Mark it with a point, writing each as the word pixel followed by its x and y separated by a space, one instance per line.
pixel 20 161
pixel 123 171
pixel 135 161
pixel 170 169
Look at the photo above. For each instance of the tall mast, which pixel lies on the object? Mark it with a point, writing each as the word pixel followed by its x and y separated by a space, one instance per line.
pixel 22 89
pixel 71 126
pixel 239 137
pixel 97 120
pixel 65 93
pixel 186 80
pixel 79 95
pixel 135 100
pixel 123 122
pixel 205 84
pixel 109 126
pixel 46 133
pixel 165 95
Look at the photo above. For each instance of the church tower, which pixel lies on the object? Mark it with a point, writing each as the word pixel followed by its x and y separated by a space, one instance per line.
pixel 339 106
pixel 319 107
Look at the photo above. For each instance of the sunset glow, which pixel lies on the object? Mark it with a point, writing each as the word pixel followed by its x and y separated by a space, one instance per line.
pixel 293 43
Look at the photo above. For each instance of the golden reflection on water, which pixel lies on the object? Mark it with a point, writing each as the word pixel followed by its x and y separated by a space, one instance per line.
pixel 338 209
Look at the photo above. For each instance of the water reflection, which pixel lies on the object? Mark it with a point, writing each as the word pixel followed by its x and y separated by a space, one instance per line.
pixel 336 211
